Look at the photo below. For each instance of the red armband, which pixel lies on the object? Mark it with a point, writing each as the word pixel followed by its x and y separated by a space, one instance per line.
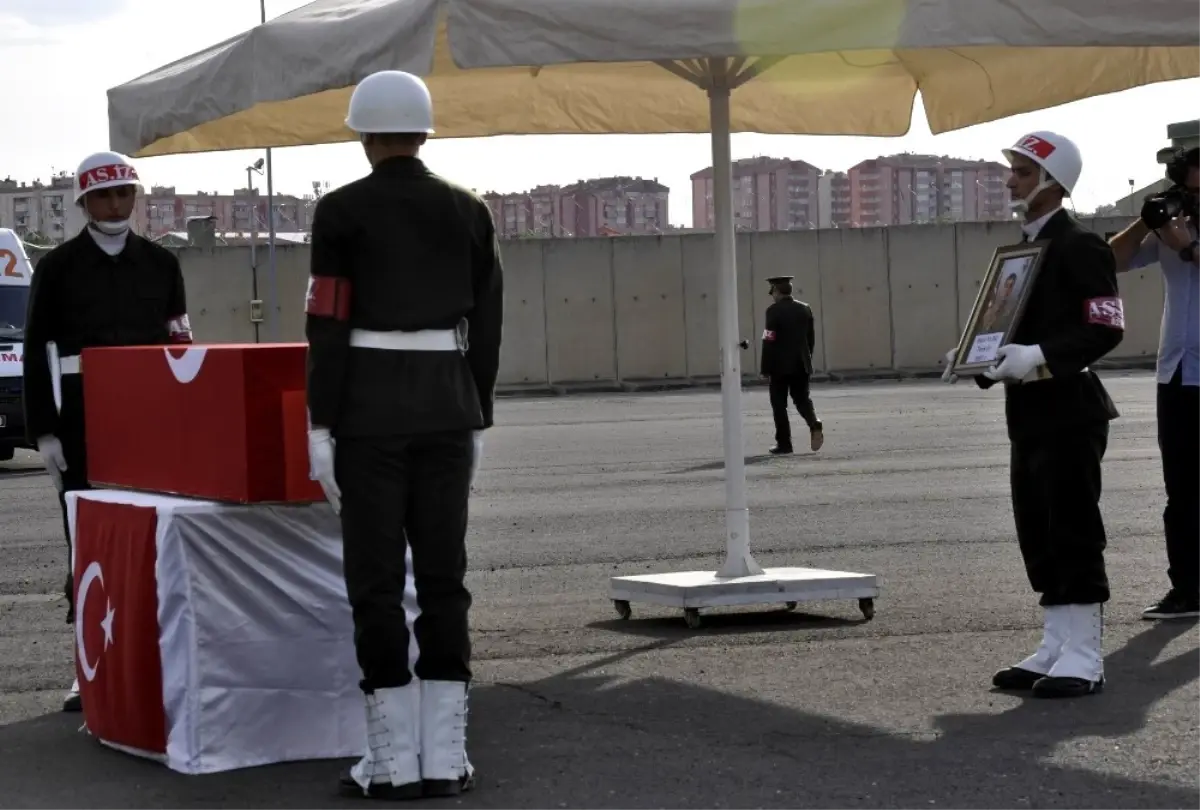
pixel 768 334
pixel 179 330
pixel 1107 311
pixel 328 297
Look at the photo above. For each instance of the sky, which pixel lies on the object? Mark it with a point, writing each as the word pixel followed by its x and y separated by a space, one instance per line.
pixel 61 57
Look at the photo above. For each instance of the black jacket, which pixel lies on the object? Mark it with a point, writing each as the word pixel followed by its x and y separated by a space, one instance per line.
pixel 406 250
pixel 83 298
pixel 1066 316
pixel 788 339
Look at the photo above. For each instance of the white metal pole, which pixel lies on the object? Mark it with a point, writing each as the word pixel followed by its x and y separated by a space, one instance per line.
pixel 738 560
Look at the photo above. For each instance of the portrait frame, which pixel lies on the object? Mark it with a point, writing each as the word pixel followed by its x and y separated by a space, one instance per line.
pixel 968 361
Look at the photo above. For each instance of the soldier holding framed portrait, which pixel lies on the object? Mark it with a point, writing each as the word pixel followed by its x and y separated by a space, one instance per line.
pixel 1057 413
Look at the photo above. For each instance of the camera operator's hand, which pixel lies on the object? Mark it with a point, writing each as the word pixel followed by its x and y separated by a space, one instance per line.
pixel 1175 234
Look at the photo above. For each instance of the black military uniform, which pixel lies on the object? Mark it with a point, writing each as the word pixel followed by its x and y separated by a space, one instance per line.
pixel 399 251
pixel 1057 422
pixel 81 297
pixel 787 348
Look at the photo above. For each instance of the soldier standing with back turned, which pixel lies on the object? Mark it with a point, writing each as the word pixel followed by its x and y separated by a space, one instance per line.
pixel 404 314
pixel 787 349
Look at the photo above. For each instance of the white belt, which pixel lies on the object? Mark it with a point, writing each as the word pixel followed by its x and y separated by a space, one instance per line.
pixel 1040 373
pixel 70 365
pixel 426 340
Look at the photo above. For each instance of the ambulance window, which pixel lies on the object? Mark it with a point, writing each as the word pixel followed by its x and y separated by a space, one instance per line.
pixel 13 301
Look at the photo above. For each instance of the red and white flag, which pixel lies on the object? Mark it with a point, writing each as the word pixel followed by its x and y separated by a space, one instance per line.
pixel 116 625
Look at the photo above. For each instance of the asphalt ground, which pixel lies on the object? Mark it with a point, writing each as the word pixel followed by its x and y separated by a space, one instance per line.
pixel 816 708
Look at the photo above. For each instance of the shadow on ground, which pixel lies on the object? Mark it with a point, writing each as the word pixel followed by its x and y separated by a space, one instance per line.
pixel 586 739
pixel 709 466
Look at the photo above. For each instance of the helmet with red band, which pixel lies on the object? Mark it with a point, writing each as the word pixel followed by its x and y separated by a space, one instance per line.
pixel 104 170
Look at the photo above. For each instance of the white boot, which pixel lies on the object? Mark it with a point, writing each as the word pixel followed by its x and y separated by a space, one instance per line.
pixel 1079 669
pixel 391 767
pixel 73 702
pixel 444 764
pixel 1054 633
pixel 1024 674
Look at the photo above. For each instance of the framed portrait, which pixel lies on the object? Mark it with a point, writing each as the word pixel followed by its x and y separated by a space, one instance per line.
pixel 999 305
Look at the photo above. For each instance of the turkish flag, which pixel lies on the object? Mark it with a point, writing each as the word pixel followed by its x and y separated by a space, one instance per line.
pixel 116 624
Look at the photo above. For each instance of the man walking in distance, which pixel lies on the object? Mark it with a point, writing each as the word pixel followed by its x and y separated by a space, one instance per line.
pixel 403 318
pixel 106 286
pixel 787 349
pixel 1058 414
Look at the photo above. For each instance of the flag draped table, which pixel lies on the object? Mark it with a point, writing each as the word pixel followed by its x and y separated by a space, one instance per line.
pixel 214 636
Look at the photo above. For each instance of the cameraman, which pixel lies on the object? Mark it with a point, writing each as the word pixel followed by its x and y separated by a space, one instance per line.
pixel 1166 234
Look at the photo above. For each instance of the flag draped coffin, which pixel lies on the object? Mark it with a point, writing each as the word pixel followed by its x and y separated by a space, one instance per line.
pixel 200 421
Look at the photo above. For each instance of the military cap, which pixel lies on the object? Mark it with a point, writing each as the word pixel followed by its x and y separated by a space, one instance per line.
pixel 773 280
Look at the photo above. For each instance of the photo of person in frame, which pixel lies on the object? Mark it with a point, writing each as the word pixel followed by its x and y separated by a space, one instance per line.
pixel 1004 296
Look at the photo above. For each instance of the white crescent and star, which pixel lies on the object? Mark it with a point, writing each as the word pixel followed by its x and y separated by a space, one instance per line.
pixel 93 572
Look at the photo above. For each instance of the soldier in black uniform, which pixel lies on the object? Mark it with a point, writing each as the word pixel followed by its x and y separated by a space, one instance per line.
pixel 1058 415
pixel 404 315
pixel 106 286
pixel 787 349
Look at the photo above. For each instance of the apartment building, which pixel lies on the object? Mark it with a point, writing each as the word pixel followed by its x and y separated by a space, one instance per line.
pixel 607 206
pixel 909 188
pixel 163 210
pixel 527 213
pixel 833 200
pixel 38 211
pixel 773 194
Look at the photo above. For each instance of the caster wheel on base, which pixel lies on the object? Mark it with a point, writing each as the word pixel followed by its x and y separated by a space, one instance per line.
pixel 789 605
pixel 867 606
pixel 623 609
pixel 692 617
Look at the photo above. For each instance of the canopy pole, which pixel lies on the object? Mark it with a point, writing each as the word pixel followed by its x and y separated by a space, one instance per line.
pixel 738 560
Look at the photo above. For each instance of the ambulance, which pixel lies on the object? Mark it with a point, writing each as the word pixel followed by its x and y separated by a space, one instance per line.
pixel 16 274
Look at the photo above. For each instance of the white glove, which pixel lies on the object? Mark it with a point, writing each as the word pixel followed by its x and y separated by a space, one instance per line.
pixel 320 460
pixel 52 456
pixel 947 375
pixel 1017 361
pixel 477 442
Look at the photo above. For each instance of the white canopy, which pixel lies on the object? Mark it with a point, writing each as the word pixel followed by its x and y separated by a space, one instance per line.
pixel 494 67
pixel 839 67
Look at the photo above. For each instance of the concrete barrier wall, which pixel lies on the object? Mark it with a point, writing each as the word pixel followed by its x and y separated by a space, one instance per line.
pixel 632 309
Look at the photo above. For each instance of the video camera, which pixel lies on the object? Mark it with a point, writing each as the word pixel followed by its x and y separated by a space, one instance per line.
pixel 1159 209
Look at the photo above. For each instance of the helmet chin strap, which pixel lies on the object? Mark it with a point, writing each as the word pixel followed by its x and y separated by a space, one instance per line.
pixel 1022 205
pixel 114 228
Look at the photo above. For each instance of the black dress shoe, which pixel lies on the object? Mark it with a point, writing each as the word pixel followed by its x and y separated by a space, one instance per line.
pixel 1015 678
pixel 389 793
pixel 1174 605
pixel 1066 687
pixel 781 450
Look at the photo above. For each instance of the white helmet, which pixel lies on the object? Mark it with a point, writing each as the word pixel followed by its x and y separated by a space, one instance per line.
pixel 104 170
pixel 1057 156
pixel 391 101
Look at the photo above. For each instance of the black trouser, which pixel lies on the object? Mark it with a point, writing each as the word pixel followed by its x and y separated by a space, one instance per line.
pixel 414 490
pixel 1056 484
pixel 797 386
pixel 1179 442
pixel 72 437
